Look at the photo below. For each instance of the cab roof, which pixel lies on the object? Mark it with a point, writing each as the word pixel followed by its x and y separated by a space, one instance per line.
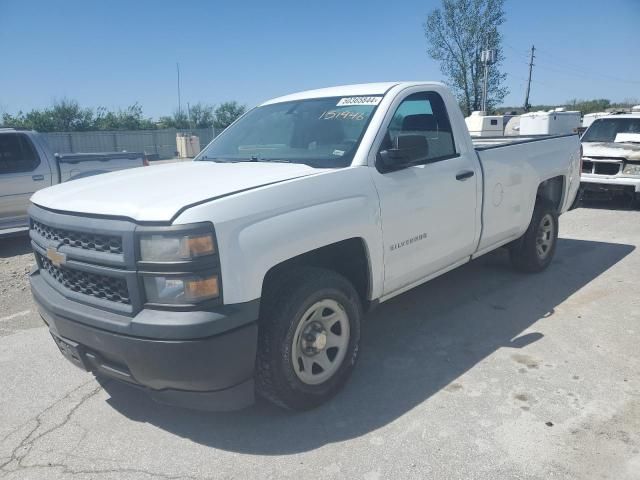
pixel 619 115
pixel 348 91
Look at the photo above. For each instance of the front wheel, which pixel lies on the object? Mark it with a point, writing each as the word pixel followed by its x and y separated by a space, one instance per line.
pixel 534 251
pixel 308 339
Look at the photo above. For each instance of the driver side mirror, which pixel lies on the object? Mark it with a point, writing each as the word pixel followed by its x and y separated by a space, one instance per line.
pixel 408 150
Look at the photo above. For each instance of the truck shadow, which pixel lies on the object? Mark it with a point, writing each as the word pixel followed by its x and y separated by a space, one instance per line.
pixel 413 347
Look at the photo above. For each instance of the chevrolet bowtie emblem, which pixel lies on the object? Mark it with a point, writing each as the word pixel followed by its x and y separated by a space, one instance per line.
pixel 56 257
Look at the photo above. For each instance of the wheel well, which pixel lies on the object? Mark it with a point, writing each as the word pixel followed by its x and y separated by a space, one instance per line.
pixel 552 190
pixel 349 258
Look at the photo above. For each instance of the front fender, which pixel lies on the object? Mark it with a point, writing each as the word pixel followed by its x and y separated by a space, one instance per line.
pixel 262 228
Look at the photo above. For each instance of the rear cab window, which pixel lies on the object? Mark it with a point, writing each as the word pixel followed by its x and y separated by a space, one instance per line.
pixel 17 154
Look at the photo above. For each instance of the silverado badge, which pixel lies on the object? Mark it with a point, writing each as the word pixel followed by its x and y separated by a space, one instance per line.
pixel 56 257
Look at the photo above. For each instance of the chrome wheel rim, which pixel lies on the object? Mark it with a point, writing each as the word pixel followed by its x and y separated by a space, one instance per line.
pixel 545 237
pixel 320 342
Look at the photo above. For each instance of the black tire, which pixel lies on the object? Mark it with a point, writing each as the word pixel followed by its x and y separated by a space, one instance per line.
pixel 287 298
pixel 524 252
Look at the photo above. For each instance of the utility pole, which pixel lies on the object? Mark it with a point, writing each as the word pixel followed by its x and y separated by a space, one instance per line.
pixel 179 103
pixel 526 98
pixel 487 57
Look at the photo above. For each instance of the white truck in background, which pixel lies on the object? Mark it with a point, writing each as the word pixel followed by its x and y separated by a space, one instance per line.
pixel 611 157
pixel 28 165
pixel 589 118
pixel 254 273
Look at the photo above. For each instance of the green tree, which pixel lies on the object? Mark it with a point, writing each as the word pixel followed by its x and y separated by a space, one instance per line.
pixel 589 106
pixel 583 106
pixel 202 115
pixel 456 34
pixel 175 120
pixel 64 116
pixel 227 113
pixel 67 115
pixel 131 118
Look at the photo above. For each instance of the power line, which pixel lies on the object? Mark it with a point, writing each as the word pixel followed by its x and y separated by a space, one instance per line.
pixel 524 54
pixel 583 74
pixel 562 64
pixel 550 61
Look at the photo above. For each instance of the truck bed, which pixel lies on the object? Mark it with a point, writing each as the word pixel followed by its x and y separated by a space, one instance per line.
pixel 75 165
pixel 512 176
pixel 485 143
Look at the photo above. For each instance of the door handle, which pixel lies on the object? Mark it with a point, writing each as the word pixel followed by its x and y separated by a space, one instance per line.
pixel 462 176
pixel 37 178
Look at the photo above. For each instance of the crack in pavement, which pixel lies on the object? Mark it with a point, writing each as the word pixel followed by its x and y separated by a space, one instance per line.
pixel 20 452
pixel 15 461
pixel 46 409
pixel 66 469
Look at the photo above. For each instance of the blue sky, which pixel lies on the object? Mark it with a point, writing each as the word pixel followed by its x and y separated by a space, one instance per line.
pixel 114 53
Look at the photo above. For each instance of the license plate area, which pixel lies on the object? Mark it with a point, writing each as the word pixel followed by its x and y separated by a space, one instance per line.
pixel 71 350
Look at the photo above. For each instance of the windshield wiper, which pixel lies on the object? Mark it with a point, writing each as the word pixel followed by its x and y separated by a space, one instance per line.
pixel 252 158
pixel 224 160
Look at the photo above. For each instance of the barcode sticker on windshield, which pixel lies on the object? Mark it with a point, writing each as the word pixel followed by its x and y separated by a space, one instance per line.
pixel 358 101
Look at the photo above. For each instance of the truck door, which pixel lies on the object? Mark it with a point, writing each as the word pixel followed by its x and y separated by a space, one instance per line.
pixel 428 189
pixel 21 174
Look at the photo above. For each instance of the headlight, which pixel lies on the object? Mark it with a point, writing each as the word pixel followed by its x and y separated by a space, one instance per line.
pixel 181 289
pixel 170 247
pixel 631 169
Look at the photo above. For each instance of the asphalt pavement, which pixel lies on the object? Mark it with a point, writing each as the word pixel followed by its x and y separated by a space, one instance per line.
pixel 483 373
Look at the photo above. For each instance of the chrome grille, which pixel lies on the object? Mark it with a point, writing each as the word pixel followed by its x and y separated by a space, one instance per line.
pixel 84 240
pixel 98 286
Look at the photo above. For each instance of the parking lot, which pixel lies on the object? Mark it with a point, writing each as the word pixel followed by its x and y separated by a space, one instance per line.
pixel 482 373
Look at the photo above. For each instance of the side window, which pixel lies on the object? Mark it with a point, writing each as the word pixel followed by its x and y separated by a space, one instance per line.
pixel 422 124
pixel 16 154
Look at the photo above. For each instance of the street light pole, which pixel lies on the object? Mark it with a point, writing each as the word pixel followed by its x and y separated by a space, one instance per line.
pixel 487 57
pixel 179 102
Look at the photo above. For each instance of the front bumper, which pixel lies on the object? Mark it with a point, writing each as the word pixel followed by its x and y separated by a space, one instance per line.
pixel 202 360
pixel 610 184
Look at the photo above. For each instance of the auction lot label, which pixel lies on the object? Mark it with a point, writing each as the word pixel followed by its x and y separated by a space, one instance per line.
pixel 358 101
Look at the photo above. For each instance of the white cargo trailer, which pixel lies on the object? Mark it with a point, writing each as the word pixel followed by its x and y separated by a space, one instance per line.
pixel 481 125
pixel 553 122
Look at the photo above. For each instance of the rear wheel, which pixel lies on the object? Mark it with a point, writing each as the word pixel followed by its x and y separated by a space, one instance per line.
pixel 309 338
pixel 533 252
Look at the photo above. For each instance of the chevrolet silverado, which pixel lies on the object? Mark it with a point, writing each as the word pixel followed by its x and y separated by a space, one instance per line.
pixel 249 270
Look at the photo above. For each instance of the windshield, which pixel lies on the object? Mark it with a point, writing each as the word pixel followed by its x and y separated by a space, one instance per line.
pixel 321 132
pixel 606 129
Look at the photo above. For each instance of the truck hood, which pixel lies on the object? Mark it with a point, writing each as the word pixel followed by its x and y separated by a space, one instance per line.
pixel 158 193
pixel 630 151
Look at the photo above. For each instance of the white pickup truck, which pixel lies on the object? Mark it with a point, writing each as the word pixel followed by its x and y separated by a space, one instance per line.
pixel 611 161
pixel 27 165
pixel 250 269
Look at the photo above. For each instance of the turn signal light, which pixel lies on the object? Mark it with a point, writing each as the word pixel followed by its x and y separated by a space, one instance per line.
pixel 201 288
pixel 196 246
